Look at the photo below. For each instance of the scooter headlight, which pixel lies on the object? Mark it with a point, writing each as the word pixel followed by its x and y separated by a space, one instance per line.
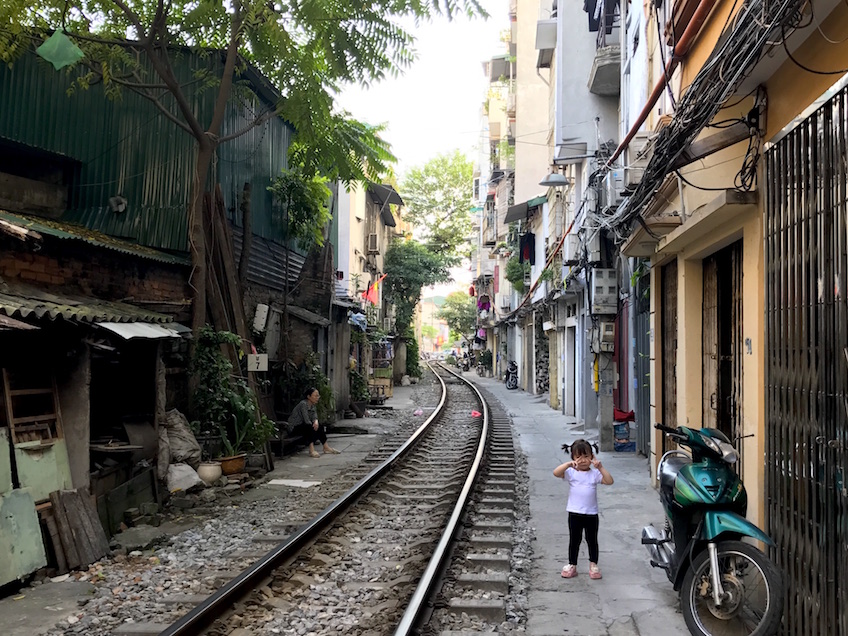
pixel 728 453
pixel 710 443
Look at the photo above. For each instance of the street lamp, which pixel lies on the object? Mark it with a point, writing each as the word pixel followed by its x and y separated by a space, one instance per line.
pixel 554 180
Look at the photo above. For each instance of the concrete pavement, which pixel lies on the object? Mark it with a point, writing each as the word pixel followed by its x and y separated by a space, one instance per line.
pixel 632 597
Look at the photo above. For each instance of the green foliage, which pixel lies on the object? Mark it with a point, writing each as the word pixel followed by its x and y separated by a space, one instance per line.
pixel 437 198
pixel 515 272
pixel 460 312
pixel 429 331
pixel 413 368
pixel 410 267
pixel 306 50
pixel 486 359
pixel 294 381
pixel 301 207
pixel 223 403
pixel 359 391
pixel 547 274
pixel 450 360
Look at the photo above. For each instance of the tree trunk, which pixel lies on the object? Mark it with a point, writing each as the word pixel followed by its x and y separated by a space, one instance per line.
pixel 197 236
pixel 247 236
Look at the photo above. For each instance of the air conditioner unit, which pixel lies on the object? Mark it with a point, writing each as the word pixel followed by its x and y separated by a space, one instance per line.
pixel 571 250
pixel 614 188
pixel 604 291
pixel 594 245
pixel 372 244
pixel 636 159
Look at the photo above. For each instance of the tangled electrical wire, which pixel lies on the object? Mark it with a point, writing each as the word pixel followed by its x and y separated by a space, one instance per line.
pixel 737 51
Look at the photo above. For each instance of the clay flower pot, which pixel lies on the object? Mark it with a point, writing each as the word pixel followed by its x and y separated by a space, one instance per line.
pixel 233 465
pixel 209 472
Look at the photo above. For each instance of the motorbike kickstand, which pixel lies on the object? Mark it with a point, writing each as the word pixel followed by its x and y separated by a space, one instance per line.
pixel 718 591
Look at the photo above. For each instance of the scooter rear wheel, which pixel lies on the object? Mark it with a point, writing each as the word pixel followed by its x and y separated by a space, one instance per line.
pixel 753 603
pixel 512 382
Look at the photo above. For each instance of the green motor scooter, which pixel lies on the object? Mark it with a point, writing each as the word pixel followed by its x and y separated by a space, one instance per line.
pixel 727 585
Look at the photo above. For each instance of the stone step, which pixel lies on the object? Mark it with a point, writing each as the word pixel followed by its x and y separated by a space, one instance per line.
pixel 140 629
pixel 485 582
pixel 496 562
pixel 486 609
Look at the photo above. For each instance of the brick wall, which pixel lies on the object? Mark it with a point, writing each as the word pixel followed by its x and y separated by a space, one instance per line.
pixel 96 272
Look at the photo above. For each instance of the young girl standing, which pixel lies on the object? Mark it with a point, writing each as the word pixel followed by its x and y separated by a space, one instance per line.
pixel 584 472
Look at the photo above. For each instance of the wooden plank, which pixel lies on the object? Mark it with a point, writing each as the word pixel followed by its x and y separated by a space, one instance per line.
pixel 66 531
pixel 101 541
pixel 16 392
pixel 55 539
pixel 34 418
pixel 86 541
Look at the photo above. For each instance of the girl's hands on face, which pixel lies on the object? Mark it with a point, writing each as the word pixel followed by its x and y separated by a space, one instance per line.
pixel 596 463
pixel 582 463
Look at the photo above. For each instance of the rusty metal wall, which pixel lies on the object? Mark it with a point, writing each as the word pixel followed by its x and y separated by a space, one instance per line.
pixel 806 263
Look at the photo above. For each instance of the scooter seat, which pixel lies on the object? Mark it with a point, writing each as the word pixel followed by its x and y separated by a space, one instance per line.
pixel 668 472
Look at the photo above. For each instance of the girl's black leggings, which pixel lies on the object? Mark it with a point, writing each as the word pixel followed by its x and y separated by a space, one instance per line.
pixel 577 523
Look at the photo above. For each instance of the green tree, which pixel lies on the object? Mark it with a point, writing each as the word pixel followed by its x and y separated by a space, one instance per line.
pixel 460 312
pixel 410 267
pixel 438 201
pixel 307 50
pixel 429 331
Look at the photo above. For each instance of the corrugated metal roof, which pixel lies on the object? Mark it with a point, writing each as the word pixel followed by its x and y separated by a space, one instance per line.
pixel 131 330
pixel 308 316
pixel 267 262
pixel 7 323
pixel 92 237
pixel 28 301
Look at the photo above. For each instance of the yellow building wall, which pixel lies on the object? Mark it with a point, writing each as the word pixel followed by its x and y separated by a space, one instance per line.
pixel 791 89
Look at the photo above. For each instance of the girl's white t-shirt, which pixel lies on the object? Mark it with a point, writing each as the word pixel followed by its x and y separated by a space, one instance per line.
pixel 583 491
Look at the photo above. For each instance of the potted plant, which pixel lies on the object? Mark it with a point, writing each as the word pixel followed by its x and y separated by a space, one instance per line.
pixel 360 394
pixel 225 405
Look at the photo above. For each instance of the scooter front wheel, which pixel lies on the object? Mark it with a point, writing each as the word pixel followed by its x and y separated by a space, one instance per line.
pixel 512 382
pixel 752 604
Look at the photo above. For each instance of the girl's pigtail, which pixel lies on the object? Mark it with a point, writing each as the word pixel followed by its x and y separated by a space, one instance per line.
pixel 566 448
pixel 595 446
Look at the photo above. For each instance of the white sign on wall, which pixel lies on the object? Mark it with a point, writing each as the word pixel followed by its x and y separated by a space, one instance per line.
pixel 257 361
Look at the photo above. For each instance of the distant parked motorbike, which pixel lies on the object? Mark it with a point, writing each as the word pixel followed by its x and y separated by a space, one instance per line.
pixel 511 379
pixel 727 586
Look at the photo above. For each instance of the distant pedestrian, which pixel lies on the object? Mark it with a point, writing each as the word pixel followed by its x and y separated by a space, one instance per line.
pixel 584 472
pixel 304 422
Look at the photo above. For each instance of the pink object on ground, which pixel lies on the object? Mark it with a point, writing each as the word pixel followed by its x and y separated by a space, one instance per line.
pixel 594 572
pixel 476 414
pixel 569 571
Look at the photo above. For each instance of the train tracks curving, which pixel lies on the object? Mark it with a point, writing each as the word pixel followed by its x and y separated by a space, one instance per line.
pixel 422 543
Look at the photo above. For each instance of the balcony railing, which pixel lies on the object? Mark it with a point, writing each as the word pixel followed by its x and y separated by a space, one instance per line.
pixel 608 25
pixel 605 77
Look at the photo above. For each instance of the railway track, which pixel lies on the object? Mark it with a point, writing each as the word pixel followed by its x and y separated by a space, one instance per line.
pixel 420 543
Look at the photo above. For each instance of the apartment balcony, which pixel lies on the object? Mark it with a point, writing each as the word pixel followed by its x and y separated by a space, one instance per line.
pixel 605 76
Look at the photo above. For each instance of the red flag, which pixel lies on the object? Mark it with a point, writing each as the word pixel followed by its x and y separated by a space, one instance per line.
pixel 372 295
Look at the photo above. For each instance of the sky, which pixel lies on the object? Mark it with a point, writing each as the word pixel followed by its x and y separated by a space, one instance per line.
pixel 434 107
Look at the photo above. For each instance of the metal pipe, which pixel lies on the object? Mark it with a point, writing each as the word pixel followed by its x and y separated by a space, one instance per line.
pixel 679 53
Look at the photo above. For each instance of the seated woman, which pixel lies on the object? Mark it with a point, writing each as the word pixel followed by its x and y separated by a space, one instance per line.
pixel 304 422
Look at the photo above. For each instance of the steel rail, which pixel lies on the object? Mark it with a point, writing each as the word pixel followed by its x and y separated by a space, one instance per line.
pixel 213 607
pixel 424 591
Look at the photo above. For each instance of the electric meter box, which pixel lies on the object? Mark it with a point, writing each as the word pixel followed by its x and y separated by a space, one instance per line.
pixel 604 288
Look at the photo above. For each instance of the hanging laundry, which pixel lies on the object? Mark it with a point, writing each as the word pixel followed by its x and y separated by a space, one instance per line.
pixel 594 9
pixel 527 248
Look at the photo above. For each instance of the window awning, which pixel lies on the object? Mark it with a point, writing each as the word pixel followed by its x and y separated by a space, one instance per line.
pixel 383 194
pixel 519 211
pixel 131 330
